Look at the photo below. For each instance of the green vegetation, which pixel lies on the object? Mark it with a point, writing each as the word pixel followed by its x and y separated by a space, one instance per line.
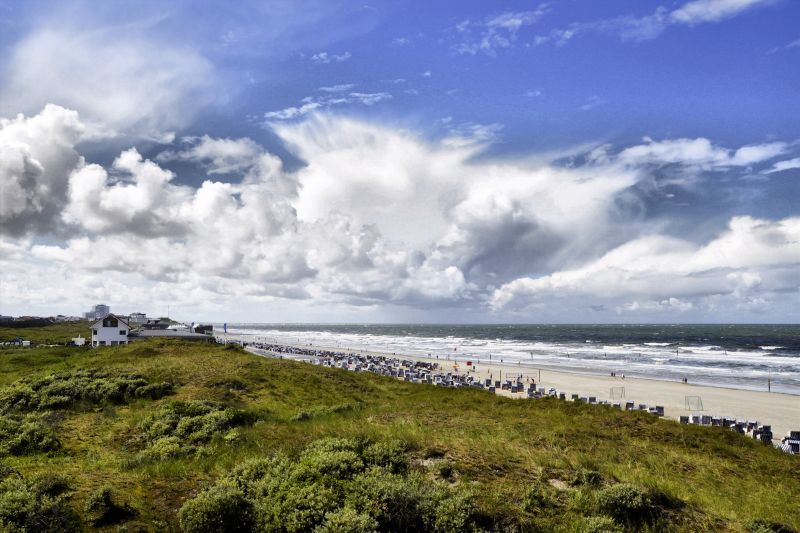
pixel 58 333
pixel 182 428
pixel 334 482
pixel 175 436
pixel 38 504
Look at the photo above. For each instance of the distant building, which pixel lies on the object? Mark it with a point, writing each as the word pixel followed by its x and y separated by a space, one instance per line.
pixel 110 331
pixel 137 319
pixel 156 323
pixel 78 341
pixel 5 318
pixel 169 334
pixel 99 311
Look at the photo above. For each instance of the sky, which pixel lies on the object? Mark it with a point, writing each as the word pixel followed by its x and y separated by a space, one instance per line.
pixel 568 161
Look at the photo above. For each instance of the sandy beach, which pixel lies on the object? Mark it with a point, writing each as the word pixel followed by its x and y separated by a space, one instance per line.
pixel 782 411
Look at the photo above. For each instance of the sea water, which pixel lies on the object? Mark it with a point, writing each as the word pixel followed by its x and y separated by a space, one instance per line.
pixel 756 357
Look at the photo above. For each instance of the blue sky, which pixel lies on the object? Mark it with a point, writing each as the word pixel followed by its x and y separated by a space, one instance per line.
pixel 403 161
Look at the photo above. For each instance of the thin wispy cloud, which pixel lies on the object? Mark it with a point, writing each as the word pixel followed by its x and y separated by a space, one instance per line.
pixel 496 32
pixel 648 27
pixel 789 164
pixel 337 88
pixel 323 58
pixel 316 103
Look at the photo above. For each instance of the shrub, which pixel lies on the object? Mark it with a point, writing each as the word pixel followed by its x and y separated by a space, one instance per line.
pixel 35 506
pixel 221 508
pixel 392 500
pixel 101 509
pixel 180 428
pixel 445 470
pixel 28 434
pixel 347 520
pixel 66 389
pixel 347 485
pixel 50 484
pixel 297 507
pixel 582 476
pixel 627 503
pixel 761 525
pixel 390 455
pixel 261 476
pixel 456 512
pixel 334 465
pixel 539 497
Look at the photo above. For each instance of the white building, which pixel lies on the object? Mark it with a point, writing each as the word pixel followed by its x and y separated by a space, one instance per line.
pixel 110 331
pixel 137 318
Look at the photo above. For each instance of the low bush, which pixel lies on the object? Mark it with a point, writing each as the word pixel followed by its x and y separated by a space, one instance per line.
pixel 390 455
pixel 37 505
pixel 761 525
pixel 67 389
pixel 27 434
pixel 181 428
pixel 582 476
pixel 222 508
pixel 347 520
pixel 628 504
pixel 342 485
pixel 390 499
pixel 540 497
pixel 101 509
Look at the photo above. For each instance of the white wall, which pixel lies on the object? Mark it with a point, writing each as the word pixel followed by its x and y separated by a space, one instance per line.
pixel 110 335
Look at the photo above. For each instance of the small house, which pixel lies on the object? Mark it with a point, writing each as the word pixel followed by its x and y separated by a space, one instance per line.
pixel 110 331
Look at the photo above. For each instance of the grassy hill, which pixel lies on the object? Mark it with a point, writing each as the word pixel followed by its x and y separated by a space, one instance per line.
pixel 123 437
pixel 59 333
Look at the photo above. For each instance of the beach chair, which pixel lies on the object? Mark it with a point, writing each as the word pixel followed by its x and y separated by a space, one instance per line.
pixel 562 396
pixel 684 419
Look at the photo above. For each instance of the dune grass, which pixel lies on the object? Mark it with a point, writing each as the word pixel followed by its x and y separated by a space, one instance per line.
pixel 560 454
pixel 59 333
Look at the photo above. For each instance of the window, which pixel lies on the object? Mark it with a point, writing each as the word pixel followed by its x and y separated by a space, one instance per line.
pixel 123 332
pixel 94 332
pixel 102 343
pixel 114 343
pixel 110 322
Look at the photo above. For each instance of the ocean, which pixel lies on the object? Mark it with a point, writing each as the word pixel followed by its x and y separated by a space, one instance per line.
pixel 756 357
